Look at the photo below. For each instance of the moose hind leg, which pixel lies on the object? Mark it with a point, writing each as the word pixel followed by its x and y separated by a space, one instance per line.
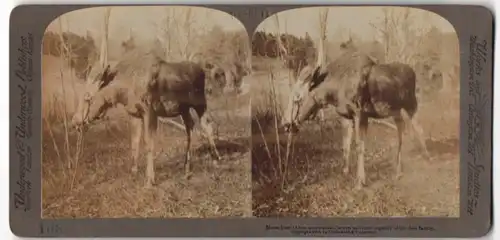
pixel 137 128
pixel 400 125
pixel 207 129
pixel 347 128
pixel 420 137
pixel 188 123
pixel 418 132
pixel 321 116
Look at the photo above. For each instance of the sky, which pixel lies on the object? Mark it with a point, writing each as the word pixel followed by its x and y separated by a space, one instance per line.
pixel 356 19
pixel 142 20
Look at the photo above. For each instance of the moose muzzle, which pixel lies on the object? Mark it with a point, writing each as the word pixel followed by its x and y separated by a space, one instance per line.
pixel 291 127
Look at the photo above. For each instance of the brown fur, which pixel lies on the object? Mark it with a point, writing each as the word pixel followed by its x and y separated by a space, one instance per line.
pixel 359 88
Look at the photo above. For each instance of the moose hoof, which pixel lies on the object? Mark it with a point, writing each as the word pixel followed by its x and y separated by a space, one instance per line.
pixel 150 181
pixel 148 185
pixel 358 186
pixel 398 175
pixel 215 162
pixel 188 175
pixel 360 183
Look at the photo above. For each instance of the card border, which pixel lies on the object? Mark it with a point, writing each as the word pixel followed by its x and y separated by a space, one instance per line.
pixel 476 103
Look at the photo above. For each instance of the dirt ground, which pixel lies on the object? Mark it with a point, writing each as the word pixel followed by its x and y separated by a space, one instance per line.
pixel 101 185
pixel 315 185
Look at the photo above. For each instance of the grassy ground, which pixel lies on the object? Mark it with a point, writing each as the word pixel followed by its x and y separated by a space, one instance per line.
pixel 310 181
pixel 101 185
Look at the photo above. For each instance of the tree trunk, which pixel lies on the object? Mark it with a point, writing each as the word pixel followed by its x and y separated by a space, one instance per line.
pixel 103 57
pixel 323 16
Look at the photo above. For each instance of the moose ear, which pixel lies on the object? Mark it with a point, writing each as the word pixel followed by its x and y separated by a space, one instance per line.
pixel 108 76
pixel 319 77
pixel 112 74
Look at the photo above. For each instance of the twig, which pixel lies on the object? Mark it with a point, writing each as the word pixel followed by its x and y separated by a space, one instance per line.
pixel 294 185
pixel 65 115
pixel 384 123
pixel 275 110
pixel 172 122
pixel 56 148
pixel 263 138
pixel 79 147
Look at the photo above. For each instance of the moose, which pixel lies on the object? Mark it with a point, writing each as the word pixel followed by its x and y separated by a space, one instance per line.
pixel 359 88
pixel 226 78
pixel 171 90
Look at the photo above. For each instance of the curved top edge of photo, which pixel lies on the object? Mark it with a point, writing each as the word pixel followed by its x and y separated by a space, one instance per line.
pixel 136 30
pixel 359 18
pixel 143 24
pixel 392 32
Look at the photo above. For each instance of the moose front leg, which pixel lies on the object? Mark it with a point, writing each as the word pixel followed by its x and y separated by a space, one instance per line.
pixel 347 127
pixel 189 124
pixel 360 129
pixel 150 129
pixel 137 128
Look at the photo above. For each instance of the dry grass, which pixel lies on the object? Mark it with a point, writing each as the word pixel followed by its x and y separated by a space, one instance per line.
pixel 314 182
pixel 101 184
pixel 105 187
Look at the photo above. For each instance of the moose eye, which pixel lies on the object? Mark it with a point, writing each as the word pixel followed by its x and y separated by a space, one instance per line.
pixel 297 98
pixel 87 96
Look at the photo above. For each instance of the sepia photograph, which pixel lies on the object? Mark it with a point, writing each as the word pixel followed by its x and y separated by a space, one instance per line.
pixel 146 114
pixel 355 113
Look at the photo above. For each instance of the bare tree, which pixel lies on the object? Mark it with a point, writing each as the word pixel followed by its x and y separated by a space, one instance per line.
pixel 175 33
pixel 282 51
pixel 321 56
pixel 103 56
pixel 188 34
pixel 322 47
pixel 129 44
pixel 164 36
pixel 397 33
pixel 429 51
pixel 287 57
